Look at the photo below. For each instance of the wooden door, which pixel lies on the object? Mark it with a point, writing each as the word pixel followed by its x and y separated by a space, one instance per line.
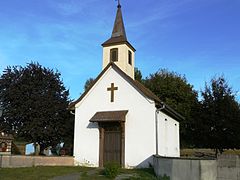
pixel 112 144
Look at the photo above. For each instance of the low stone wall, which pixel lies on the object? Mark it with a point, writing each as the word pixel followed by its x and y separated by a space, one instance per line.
pixel 183 169
pixel 228 167
pixel 30 161
pixel 225 167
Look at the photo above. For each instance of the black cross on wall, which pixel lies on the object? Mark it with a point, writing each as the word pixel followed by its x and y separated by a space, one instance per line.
pixel 112 89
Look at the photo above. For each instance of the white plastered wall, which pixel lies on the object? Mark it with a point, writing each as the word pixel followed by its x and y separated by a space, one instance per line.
pixel 140 141
pixel 139 126
pixel 122 62
pixel 168 136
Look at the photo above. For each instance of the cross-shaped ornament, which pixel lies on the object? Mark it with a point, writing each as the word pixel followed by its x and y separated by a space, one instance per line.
pixel 112 89
pixel 119 6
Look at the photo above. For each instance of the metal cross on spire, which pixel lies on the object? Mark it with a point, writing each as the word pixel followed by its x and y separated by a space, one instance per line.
pixel 119 5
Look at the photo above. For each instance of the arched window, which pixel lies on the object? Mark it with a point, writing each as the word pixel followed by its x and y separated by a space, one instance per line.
pixel 114 55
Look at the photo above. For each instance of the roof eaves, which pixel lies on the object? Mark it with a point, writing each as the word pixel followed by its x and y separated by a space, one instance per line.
pixel 111 42
pixel 109 116
pixel 72 104
pixel 168 110
pixel 138 85
pixel 148 93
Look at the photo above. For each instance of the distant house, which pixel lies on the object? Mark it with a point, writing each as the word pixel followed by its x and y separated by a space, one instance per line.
pixel 30 150
pixel 5 140
pixel 5 143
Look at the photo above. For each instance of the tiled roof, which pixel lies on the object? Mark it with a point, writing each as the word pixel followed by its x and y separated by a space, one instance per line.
pixel 138 86
pixel 6 136
pixel 141 88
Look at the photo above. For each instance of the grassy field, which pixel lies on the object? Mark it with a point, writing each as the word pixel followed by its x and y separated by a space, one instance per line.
pixel 33 173
pixel 45 173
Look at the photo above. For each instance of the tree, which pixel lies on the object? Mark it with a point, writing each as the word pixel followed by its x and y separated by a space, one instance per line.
pixel 175 91
pixel 34 102
pixel 220 119
pixel 138 75
pixel 89 83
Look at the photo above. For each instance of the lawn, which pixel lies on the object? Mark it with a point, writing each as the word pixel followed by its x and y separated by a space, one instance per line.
pixel 35 173
pixel 44 173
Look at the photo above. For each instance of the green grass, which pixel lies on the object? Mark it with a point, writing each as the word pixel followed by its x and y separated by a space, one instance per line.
pixel 38 173
pixel 140 174
pixel 44 173
pixel 130 174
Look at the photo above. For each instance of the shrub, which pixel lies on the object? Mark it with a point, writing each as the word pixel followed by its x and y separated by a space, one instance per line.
pixel 84 174
pixel 111 170
pixel 165 177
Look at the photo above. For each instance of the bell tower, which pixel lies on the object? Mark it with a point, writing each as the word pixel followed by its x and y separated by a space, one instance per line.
pixel 117 49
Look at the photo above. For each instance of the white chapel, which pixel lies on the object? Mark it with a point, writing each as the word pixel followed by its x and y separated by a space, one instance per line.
pixel 118 119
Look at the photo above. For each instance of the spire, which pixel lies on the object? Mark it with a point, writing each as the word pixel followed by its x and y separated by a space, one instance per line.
pixel 118 32
pixel 117 49
pixel 118 28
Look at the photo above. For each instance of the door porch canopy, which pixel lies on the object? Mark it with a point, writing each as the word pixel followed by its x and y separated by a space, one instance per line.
pixel 109 116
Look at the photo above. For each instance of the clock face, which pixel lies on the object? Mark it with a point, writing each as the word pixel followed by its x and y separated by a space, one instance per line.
pixel 3 146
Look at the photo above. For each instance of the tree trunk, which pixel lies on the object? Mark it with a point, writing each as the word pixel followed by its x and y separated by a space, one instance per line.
pixel 216 152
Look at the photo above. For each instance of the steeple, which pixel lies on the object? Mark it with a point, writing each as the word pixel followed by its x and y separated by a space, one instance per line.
pixel 118 28
pixel 118 32
pixel 117 49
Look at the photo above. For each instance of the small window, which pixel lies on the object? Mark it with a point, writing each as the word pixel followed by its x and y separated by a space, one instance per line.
pixel 130 57
pixel 114 55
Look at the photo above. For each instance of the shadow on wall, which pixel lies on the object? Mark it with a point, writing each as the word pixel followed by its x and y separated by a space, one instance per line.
pixel 147 163
pixel 92 125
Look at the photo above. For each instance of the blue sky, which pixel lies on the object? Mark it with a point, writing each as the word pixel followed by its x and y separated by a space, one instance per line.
pixel 198 38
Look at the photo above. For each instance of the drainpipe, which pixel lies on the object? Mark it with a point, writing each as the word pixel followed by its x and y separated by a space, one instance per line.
pixel 156 125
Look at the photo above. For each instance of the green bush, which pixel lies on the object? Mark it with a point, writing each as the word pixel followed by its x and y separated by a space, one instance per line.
pixel 165 177
pixel 111 170
pixel 84 174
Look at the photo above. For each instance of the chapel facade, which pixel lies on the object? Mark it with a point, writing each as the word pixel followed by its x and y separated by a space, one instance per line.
pixel 118 119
